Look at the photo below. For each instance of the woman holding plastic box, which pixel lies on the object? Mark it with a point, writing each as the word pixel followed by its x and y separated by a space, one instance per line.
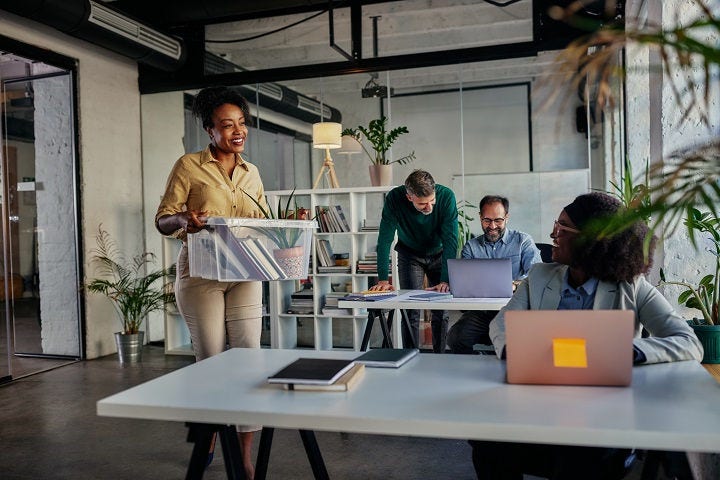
pixel 212 183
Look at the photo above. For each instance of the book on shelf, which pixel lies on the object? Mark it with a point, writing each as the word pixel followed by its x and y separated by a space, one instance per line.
pixel 335 311
pixel 334 269
pixel 430 296
pixel 369 226
pixel 312 371
pixel 343 384
pixel 342 220
pixel 325 254
pixel 387 357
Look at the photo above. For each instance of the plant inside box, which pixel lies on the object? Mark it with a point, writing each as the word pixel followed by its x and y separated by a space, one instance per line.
pixel 289 254
pixel 703 295
pixel 133 291
pixel 381 140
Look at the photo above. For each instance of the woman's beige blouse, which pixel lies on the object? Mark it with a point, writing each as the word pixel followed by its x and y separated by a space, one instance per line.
pixel 198 182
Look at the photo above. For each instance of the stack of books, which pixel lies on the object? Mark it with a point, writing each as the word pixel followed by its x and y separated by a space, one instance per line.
pixel 244 257
pixel 326 258
pixel 370 226
pixel 319 374
pixel 367 264
pixel 301 302
pixel 331 304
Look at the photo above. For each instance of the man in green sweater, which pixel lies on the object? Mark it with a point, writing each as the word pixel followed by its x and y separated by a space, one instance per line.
pixel 425 217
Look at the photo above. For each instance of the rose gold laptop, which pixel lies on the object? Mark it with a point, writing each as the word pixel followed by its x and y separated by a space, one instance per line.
pixel 569 347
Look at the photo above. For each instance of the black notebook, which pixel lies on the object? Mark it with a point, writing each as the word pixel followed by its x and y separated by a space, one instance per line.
pixel 387 357
pixel 312 371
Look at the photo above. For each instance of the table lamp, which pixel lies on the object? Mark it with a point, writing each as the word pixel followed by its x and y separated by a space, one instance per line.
pixel 350 145
pixel 327 135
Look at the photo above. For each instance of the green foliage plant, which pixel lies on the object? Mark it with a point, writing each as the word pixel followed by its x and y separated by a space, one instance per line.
pixel 689 53
pixel 133 293
pixel 381 139
pixel 464 233
pixel 703 296
pixel 283 237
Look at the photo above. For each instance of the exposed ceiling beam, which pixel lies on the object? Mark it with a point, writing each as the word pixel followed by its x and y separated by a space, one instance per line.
pixel 154 81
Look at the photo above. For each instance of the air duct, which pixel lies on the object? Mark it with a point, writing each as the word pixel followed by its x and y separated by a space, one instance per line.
pixel 105 27
pixel 276 97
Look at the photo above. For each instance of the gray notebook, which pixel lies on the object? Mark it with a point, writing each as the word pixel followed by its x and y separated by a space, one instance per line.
pixel 480 277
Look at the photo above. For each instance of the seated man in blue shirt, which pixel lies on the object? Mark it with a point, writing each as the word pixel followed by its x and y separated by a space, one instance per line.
pixel 497 241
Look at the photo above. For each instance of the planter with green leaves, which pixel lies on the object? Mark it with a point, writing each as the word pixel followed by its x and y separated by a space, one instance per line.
pixel 132 290
pixel 289 234
pixel 704 295
pixel 381 140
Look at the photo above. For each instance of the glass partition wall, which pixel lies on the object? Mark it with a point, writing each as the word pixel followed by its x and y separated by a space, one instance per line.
pixel 465 123
pixel 39 298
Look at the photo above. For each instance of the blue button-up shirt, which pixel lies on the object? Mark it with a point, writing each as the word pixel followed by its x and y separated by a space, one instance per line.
pixel 580 298
pixel 519 247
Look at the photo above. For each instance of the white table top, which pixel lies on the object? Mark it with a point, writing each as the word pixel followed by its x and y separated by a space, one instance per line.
pixel 402 302
pixel 672 406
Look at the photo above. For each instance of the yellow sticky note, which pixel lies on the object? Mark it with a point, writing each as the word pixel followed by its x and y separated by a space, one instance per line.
pixel 569 352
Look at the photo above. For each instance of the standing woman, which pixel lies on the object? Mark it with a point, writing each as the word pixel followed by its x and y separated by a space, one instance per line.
pixel 212 183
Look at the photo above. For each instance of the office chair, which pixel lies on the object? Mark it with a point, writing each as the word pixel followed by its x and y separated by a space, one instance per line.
pixel 545 252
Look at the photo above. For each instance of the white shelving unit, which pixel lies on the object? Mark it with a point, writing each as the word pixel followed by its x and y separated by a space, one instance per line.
pixel 177 336
pixel 358 204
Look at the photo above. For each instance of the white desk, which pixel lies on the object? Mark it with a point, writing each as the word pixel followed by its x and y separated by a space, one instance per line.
pixel 401 302
pixel 672 406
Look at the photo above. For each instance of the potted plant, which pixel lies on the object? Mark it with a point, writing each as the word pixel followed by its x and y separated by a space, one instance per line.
pixel 289 255
pixel 704 295
pixel 133 292
pixel 381 140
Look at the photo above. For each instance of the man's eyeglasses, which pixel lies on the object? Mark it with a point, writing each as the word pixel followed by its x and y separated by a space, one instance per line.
pixel 497 221
pixel 559 227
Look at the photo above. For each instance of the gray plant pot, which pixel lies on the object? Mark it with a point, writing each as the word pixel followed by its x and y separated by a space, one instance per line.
pixel 129 346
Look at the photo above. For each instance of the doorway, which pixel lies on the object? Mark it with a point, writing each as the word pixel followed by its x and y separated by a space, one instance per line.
pixel 39 295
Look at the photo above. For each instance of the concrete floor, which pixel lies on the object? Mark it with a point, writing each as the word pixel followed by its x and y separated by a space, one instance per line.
pixel 49 430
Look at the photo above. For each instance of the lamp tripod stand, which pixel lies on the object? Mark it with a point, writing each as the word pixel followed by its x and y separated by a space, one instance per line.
pixel 330 166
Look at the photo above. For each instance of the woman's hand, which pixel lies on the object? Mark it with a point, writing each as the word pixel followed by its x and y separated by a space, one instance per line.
pixel 193 220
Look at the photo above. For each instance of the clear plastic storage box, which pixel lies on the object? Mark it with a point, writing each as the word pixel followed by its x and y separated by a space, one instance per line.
pixel 237 249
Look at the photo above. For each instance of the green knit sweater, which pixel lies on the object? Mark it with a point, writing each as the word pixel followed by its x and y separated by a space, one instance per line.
pixel 421 234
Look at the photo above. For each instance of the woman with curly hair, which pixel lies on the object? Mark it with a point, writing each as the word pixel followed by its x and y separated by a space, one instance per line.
pixel 588 273
pixel 208 183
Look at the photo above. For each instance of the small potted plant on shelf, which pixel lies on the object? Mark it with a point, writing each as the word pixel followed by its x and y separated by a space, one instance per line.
pixel 133 292
pixel 704 295
pixel 381 140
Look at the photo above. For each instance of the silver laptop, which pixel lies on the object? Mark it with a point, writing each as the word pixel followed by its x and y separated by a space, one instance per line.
pixel 480 277
pixel 569 347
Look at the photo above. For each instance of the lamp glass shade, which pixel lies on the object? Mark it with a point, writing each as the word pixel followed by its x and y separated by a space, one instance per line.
pixel 350 145
pixel 327 135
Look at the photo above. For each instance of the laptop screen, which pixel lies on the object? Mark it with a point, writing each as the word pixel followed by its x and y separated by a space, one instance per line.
pixel 480 277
